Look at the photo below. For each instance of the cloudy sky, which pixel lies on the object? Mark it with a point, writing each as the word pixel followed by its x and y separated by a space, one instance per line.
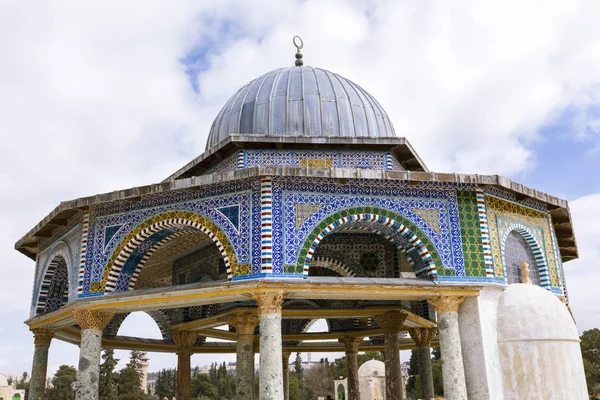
pixel 103 95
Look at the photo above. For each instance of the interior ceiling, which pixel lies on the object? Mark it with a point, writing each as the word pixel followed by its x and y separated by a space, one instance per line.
pixel 158 269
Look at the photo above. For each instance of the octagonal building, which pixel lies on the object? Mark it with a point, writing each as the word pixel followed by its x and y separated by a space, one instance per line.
pixel 305 205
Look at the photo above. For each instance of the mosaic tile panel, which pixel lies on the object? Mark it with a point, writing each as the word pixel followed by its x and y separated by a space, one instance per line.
pixel 517 250
pixel 65 247
pixel 205 201
pixel 266 224
pixel 228 164
pixel 350 250
pixel 470 230
pixel 54 291
pixel 303 211
pixel 322 159
pixel 396 197
pixel 432 217
pixel 506 195
pixel 485 234
pixel 503 215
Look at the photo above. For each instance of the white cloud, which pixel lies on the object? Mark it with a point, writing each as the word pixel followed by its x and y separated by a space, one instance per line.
pixel 583 272
pixel 94 97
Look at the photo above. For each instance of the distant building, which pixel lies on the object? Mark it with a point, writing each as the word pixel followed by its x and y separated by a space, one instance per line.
pixel 8 392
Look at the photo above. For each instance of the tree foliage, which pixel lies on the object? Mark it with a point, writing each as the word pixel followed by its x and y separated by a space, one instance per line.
pixel 130 379
pixel 590 350
pixel 63 384
pixel 108 377
pixel 166 383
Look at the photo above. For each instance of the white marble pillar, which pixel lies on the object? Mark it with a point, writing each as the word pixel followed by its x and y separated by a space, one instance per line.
pixel 422 338
pixel 477 321
pixel 270 370
pixel 453 370
pixel 184 341
pixel 391 323
pixel 88 373
pixel 351 344
pixel 244 366
pixel 37 385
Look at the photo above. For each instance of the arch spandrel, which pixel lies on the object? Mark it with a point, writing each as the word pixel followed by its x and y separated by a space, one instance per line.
pixel 51 260
pixel 177 220
pixel 419 242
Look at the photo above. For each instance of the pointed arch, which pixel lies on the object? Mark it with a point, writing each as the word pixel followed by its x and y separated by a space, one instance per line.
pixel 54 291
pixel 419 247
pixel 534 245
pixel 172 224
pixel 333 265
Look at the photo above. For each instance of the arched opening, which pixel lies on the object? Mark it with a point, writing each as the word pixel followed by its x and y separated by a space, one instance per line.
pixel 54 292
pixel 341 392
pixel 516 250
pixel 16 396
pixel 170 249
pixel 366 245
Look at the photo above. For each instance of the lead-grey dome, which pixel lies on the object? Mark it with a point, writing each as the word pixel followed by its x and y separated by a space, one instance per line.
pixel 301 101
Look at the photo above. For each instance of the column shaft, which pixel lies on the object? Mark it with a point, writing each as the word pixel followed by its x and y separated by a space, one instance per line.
pixel 422 338
pixel 184 341
pixel 271 369
pixel 425 372
pixel 351 344
pixel 392 323
pixel 455 387
pixel 286 375
pixel 184 375
pixel 88 373
pixel 244 366
pixel 37 384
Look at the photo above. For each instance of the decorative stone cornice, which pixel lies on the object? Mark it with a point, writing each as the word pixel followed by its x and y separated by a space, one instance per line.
pixel 422 336
pixel 42 336
pixel 391 321
pixel 244 324
pixel 351 343
pixel 184 340
pixel 446 304
pixel 89 319
pixel 269 302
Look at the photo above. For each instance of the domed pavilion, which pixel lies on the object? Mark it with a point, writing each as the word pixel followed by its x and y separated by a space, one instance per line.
pixel 305 205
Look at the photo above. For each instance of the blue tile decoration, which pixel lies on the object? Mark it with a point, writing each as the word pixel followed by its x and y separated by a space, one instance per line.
pixel 390 195
pixel 109 232
pixel 232 213
pixel 245 194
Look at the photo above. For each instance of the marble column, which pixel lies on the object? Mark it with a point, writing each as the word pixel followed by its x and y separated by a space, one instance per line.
pixel 391 322
pixel 422 338
pixel 244 366
pixel 286 375
pixel 41 340
pixel 88 373
pixel 351 344
pixel 446 307
pixel 270 370
pixel 184 340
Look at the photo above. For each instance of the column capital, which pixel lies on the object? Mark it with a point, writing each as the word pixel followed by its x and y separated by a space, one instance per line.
pixel 391 321
pixel 269 302
pixel 446 304
pixel 422 336
pixel 244 324
pixel 184 340
pixel 42 336
pixel 351 343
pixel 91 319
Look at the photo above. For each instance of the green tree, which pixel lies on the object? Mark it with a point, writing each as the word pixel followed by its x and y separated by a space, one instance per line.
pixel 166 383
pixel 108 377
pixel 413 376
pixel 130 379
pixel 202 387
pixel 62 384
pixel 298 372
pixel 295 391
pixel 590 350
